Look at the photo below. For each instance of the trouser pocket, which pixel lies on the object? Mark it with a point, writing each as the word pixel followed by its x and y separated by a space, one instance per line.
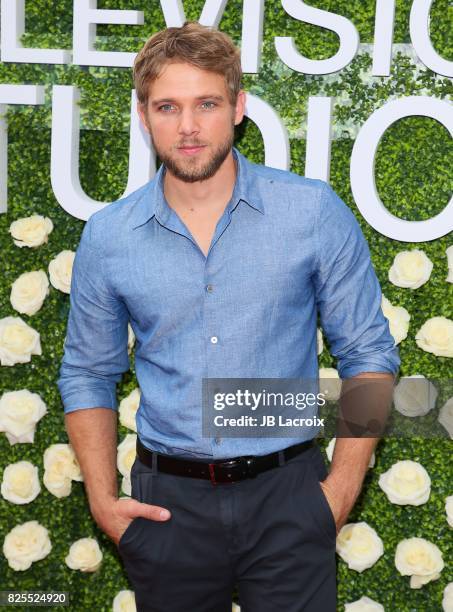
pixel 322 515
pixel 141 490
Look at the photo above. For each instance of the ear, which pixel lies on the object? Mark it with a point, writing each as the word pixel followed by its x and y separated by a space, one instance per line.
pixel 141 110
pixel 240 107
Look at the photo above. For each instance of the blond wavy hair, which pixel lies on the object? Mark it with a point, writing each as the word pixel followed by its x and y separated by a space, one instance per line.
pixel 202 46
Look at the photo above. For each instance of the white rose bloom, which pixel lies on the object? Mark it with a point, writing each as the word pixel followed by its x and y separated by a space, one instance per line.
pixel 364 604
pixel 410 269
pixel 60 469
pixel 447 600
pixel 126 454
pixel 436 336
pixel 406 483
pixel 449 254
pixel 330 384
pixel 449 509
pixel 128 409
pixel 31 231
pixel 445 417
pixel 29 291
pixel 63 455
pixel 330 448
pixel 60 270
pixel 18 341
pixel 126 486
pixel 359 545
pixel 26 543
pixel 55 484
pixel 398 319
pixel 419 559
pixel 319 340
pixel 414 395
pixel 20 484
pixel 84 555
pixel 124 602
pixel 19 413
pixel 130 338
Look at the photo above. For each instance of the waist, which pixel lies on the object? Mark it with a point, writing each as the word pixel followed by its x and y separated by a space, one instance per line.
pixel 220 470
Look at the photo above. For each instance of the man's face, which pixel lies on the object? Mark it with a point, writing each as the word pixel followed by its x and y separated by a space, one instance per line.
pixel 191 120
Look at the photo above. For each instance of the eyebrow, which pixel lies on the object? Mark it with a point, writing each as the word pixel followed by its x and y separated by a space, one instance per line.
pixel 204 97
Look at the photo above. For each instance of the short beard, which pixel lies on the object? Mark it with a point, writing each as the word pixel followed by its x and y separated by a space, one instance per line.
pixel 197 174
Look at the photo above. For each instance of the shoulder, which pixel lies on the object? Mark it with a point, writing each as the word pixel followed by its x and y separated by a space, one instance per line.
pixel 283 190
pixel 284 178
pixel 111 220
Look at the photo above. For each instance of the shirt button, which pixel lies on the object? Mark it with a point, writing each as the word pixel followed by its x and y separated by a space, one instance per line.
pixel 209 288
pixel 217 440
pixel 214 339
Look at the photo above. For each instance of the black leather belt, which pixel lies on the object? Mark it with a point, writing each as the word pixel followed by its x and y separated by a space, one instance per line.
pixel 220 471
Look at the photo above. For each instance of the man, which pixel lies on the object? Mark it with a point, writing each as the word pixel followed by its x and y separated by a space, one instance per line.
pixel 220 265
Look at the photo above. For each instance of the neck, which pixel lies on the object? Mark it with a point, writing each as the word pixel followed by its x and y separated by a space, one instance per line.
pixel 201 195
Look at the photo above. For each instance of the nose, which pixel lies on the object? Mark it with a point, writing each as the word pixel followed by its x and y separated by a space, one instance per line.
pixel 188 124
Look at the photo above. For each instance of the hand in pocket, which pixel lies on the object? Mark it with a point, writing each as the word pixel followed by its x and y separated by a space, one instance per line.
pixel 116 517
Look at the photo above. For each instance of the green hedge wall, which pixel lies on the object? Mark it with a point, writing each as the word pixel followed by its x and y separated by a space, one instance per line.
pixel 412 180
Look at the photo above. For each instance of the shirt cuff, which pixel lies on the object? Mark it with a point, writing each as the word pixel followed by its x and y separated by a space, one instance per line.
pixel 88 397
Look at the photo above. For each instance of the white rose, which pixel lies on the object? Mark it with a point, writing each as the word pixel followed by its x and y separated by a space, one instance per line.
pixel 447 600
pixel 410 269
pixel 414 395
pixel 60 469
pixel 20 484
pixel 60 270
pixel 84 555
pixel 445 417
pixel 31 231
pixel 359 545
pixel 419 559
pixel 449 254
pixel 29 291
pixel 449 509
pixel 56 484
pixel 406 483
pixel 398 319
pixel 18 341
pixel 126 486
pixel 19 413
pixel 124 602
pixel 126 454
pixel 319 341
pixel 330 384
pixel 436 336
pixel 128 409
pixel 26 543
pixel 330 448
pixel 364 604
pixel 130 338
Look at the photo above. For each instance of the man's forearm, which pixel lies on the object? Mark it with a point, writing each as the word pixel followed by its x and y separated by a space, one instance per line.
pixel 368 403
pixel 93 436
pixel 349 465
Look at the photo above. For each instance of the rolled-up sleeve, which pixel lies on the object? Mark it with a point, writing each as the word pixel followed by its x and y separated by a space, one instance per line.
pixel 95 348
pixel 348 293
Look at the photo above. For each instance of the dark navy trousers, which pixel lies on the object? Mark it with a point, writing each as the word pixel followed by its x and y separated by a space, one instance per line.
pixel 272 536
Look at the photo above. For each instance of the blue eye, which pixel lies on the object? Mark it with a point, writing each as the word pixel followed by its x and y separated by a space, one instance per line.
pixel 164 107
pixel 210 104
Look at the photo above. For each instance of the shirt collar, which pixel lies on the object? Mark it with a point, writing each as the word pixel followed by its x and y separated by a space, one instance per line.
pixel 152 201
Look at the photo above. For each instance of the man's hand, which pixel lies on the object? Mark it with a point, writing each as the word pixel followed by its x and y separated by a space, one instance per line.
pixel 338 504
pixel 115 516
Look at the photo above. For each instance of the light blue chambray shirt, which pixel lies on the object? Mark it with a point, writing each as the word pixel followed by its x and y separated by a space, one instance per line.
pixel 284 247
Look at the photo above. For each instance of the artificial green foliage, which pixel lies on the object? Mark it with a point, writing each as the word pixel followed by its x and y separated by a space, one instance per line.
pixel 413 177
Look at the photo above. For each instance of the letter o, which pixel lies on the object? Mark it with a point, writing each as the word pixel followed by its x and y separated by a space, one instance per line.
pixel 363 185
